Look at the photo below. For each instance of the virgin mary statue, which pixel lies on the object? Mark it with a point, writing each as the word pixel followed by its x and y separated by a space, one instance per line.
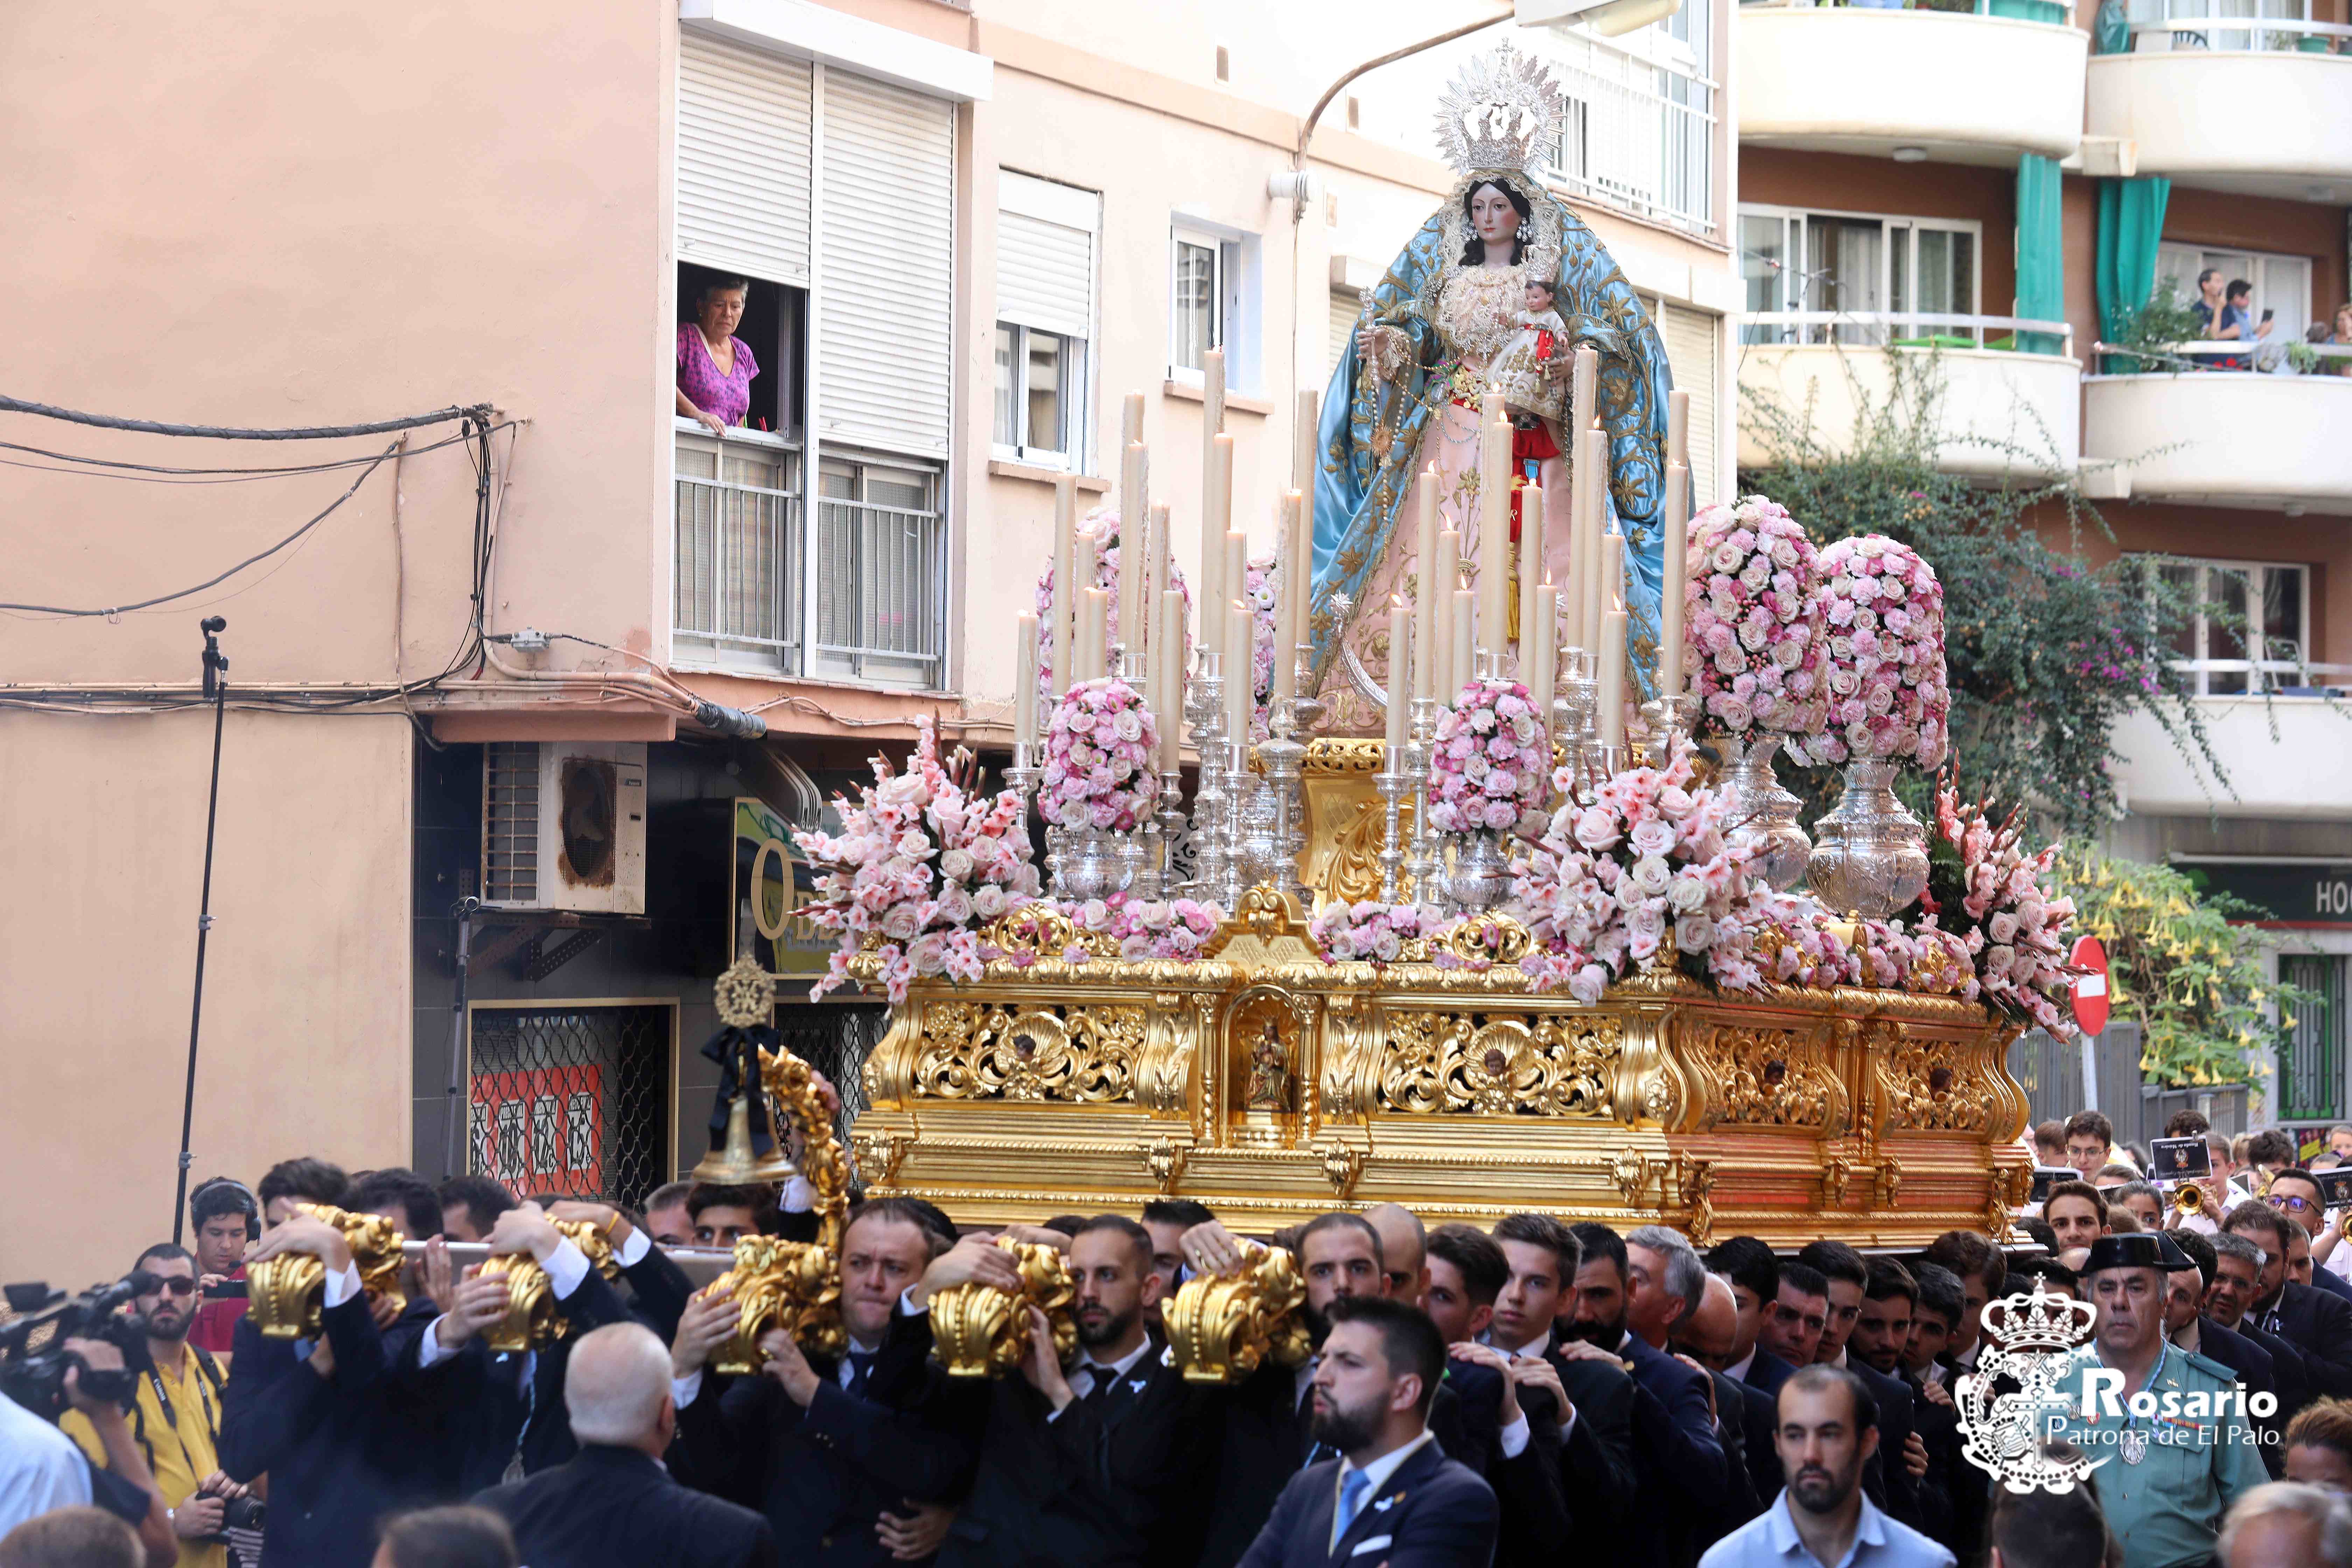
pixel 1405 394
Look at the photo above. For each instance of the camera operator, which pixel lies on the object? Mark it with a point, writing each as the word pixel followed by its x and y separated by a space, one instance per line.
pixel 41 1470
pixel 175 1408
pixel 227 1219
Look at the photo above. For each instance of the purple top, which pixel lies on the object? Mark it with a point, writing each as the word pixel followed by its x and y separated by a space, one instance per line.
pixel 728 396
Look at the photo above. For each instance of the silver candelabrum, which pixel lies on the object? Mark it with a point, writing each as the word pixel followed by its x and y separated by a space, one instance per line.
pixel 1574 718
pixel 1420 861
pixel 1672 718
pixel 1277 819
pixel 1210 828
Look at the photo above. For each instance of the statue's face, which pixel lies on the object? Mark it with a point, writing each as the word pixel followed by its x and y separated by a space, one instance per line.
pixel 1492 214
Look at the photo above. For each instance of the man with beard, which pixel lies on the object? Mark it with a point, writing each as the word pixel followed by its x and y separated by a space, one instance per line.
pixel 1902 1457
pixel 1391 1495
pixel 175 1411
pixel 1681 1475
pixel 829 1450
pixel 1093 1464
pixel 2169 1478
pixel 1827 1426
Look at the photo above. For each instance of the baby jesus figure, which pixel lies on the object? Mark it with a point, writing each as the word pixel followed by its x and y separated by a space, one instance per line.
pixel 1529 369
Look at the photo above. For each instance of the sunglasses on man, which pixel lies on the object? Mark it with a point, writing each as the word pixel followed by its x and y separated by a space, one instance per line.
pixel 177 1285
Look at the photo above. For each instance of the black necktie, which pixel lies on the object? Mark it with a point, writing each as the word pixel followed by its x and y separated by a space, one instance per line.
pixel 861 1367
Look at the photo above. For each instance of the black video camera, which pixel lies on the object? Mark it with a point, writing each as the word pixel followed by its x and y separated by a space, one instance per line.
pixel 35 1379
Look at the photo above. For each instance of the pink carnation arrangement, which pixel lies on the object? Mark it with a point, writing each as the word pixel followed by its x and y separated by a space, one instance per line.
pixel 1259 579
pixel 1754 646
pixel 1883 617
pixel 1145 928
pixel 1489 761
pixel 1098 544
pixel 923 859
pixel 1100 748
pixel 2009 932
pixel 1370 932
pixel 1642 869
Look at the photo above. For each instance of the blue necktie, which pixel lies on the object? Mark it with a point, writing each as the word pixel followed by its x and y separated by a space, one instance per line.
pixel 1352 1487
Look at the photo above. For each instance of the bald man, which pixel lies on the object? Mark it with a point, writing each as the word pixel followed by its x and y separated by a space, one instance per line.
pixel 1709 1338
pixel 1404 1252
pixel 613 1502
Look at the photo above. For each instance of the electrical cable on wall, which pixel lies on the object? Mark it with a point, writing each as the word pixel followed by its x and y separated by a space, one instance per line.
pixel 479 413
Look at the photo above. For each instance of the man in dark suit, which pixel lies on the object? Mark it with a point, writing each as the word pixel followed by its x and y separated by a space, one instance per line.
pixel 832 1451
pixel 1753 1272
pixel 351 1425
pixel 1625 1306
pixel 2186 1327
pixel 2295 1194
pixel 2317 1324
pixel 1743 1415
pixel 1902 1455
pixel 1791 1332
pixel 1881 1333
pixel 1925 1365
pixel 611 1502
pixel 1392 1495
pixel 2229 1301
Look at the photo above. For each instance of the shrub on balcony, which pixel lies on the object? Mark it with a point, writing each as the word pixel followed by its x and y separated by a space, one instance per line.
pixel 2046 650
pixel 2167 318
pixel 2199 986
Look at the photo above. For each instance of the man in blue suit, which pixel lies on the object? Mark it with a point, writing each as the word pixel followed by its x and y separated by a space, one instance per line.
pixel 1392 1496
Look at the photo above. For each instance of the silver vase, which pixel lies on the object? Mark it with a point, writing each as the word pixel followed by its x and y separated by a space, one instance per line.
pixel 1481 877
pixel 1090 865
pixel 1768 814
pixel 1870 856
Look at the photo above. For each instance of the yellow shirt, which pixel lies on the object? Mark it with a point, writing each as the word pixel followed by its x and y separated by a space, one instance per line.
pixel 179 1445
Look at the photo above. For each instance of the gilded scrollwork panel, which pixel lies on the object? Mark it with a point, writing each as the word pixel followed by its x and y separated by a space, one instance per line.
pixel 1765 1077
pixel 1933 1085
pixel 1072 1053
pixel 1530 1065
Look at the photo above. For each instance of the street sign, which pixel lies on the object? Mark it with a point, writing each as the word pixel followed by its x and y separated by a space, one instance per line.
pixel 2091 987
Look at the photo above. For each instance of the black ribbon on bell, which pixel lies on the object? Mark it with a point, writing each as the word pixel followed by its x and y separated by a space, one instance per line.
pixel 737 1053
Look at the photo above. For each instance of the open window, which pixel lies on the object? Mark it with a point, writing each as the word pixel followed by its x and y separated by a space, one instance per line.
pixel 1212 302
pixel 775 328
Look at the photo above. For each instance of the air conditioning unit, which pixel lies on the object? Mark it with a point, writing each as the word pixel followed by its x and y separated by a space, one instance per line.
pixel 564 826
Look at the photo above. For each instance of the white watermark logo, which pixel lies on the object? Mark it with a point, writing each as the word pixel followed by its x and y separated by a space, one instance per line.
pixel 2013 1401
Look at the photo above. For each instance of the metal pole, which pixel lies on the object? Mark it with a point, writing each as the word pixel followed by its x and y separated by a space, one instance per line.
pixel 215 688
pixel 453 1129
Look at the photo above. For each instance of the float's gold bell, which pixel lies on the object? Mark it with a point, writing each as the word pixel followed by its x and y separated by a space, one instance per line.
pixel 734 1163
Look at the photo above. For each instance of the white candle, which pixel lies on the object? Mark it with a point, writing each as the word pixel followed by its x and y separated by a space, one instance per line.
pixel 1542 645
pixel 1065 575
pixel 1241 700
pixel 1172 681
pixel 1535 637
pixel 1678 427
pixel 1302 536
pixel 1286 599
pixel 1400 681
pixel 1493 523
pixel 1157 583
pixel 1592 592
pixel 1428 595
pixel 1671 607
pixel 1613 571
pixel 1025 690
pixel 1212 392
pixel 1611 689
pixel 1444 681
pixel 1216 517
pixel 1465 615
pixel 1131 419
pixel 1134 550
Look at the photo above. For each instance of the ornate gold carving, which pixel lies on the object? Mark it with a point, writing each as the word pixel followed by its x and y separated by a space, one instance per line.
pixel 1084 1055
pixel 534 1320
pixel 289 1291
pixel 790 1285
pixel 1540 1066
pixel 1926 1090
pixel 1628 1172
pixel 1487 938
pixel 1836 1176
pixel 1342 754
pixel 1353 873
pixel 745 995
pixel 1342 1163
pixel 1271 1078
pixel 879 1154
pixel 1220 1327
pixel 1769 1078
pixel 978 1330
pixel 1695 1180
pixel 1165 1160
pixel 1888 1181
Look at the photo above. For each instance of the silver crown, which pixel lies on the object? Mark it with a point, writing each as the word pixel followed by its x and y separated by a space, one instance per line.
pixel 1500 113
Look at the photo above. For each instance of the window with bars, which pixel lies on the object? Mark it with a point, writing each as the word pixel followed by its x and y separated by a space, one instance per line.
pixel 2311 1064
pixel 510 822
pixel 1857 264
pixel 570 1100
pixel 881 565
pixel 2245 630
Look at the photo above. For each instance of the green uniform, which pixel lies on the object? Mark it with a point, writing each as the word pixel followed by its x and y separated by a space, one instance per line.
pixel 2166 1508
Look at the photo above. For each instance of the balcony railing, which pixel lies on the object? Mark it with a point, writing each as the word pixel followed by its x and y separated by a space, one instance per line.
pixel 1901 329
pixel 2275 355
pixel 872 610
pixel 2261 35
pixel 2291 679
pixel 1637 133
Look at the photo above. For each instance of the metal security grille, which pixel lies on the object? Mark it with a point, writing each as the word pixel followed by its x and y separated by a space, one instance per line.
pixel 510 822
pixel 2311 1070
pixel 573 1100
pixel 835 1040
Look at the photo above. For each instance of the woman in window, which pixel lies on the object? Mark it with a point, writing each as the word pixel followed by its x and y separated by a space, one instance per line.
pixel 715 367
pixel 2340 339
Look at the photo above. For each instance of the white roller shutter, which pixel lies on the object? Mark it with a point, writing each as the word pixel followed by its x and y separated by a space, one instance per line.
pixel 1046 254
pixel 1692 340
pixel 743 160
pixel 886 293
pixel 1345 304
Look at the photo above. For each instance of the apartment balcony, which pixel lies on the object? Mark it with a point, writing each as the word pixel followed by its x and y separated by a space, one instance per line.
pixel 2256 106
pixel 2284 756
pixel 859 597
pixel 1954 86
pixel 1995 412
pixel 2224 438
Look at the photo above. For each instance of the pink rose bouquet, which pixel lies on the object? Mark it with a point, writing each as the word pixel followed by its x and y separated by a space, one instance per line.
pixel 1100 748
pixel 1146 928
pixel 1882 615
pixel 923 859
pixel 1489 761
pixel 2011 933
pixel 1370 932
pixel 1644 869
pixel 1258 583
pixel 1753 651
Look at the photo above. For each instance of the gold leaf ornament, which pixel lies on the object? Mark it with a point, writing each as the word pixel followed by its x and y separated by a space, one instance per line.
pixel 978 1330
pixel 1222 1327
pixel 286 1294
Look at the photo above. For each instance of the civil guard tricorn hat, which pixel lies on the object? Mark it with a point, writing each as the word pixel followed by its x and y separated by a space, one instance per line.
pixel 2136 1249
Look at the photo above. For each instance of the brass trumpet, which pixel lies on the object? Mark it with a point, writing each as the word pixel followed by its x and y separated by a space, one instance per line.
pixel 2189 1198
